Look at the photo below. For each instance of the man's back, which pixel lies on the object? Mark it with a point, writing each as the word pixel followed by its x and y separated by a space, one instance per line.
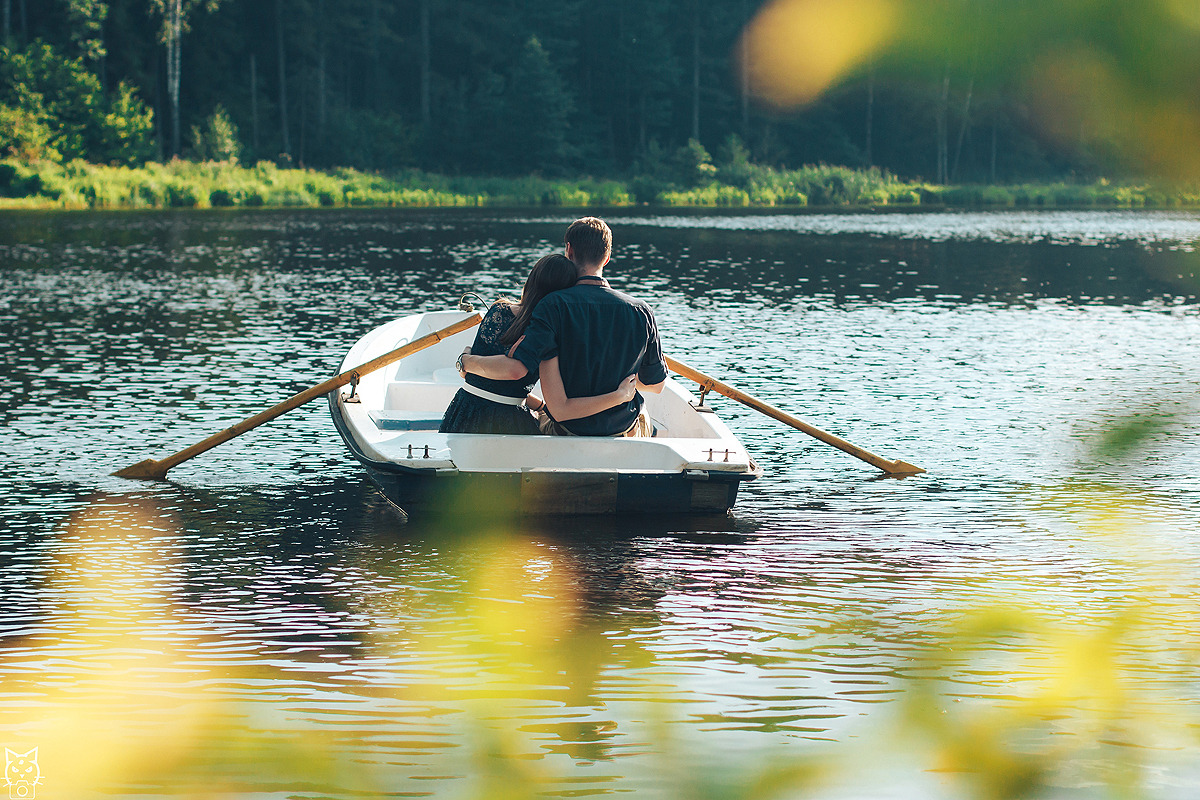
pixel 600 337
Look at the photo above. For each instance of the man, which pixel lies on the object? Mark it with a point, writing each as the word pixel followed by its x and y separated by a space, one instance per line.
pixel 599 337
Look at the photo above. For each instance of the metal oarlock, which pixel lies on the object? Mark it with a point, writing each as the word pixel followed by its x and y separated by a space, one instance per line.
pixel 353 396
pixel 464 302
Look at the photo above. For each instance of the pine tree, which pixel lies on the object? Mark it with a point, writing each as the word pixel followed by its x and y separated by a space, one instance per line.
pixel 538 106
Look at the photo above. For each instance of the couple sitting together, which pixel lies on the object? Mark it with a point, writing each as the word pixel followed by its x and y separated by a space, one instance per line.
pixel 594 349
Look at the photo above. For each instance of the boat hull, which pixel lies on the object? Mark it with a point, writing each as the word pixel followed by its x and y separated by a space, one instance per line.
pixel 549 492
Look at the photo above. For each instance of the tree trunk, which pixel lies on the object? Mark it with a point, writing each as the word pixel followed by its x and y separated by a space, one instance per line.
pixel 254 103
pixel 995 125
pixel 283 107
pixel 696 71
pixel 322 93
pixel 942 144
pixel 303 125
pixel 376 72
pixel 870 118
pixel 962 130
pixel 745 82
pixel 174 64
pixel 426 66
pixel 643 144
pixel 321 89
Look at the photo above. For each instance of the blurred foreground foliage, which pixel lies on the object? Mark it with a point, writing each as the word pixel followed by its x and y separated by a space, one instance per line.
pixel 1018 687
pixel 1103 86
pixel 1114 79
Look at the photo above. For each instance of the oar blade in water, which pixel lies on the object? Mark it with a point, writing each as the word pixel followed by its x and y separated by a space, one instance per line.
pixel 148 470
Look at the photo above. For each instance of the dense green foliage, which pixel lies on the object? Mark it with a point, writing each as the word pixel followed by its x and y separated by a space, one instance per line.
pixel 217 139
pixel 561 88
pixel 52 107
pixel 223 183
pixel 215 184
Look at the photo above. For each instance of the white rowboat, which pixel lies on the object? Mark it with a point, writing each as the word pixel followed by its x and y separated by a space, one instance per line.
pixel 390 422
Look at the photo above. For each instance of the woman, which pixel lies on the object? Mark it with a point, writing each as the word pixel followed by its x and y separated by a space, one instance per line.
pixel 484 405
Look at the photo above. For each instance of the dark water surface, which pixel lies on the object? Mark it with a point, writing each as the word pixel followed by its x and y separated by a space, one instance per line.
pixel 264 626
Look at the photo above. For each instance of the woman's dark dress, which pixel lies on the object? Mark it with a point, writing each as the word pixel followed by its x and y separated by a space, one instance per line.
pixel 468 413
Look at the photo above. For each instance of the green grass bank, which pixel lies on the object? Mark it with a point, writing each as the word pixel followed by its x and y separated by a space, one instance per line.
pixel 186 184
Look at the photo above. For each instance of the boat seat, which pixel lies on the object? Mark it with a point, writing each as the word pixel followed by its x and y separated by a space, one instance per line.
pixel 419 398
pixel 405 420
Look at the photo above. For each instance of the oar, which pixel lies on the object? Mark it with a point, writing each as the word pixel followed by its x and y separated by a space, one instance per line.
pixel 157 470
pixel 890 467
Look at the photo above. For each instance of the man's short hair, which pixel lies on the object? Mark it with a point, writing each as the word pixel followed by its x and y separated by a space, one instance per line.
pixel 590 239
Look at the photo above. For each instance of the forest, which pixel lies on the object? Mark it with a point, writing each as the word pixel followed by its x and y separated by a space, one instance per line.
pixel 650 90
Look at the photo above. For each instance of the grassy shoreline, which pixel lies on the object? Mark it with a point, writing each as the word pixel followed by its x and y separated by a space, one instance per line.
pixel 185 184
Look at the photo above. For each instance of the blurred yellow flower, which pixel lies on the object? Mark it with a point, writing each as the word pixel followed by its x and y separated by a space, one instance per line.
pixel 795 49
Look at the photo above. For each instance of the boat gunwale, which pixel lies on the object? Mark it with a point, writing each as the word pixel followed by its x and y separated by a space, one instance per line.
pixel 752 472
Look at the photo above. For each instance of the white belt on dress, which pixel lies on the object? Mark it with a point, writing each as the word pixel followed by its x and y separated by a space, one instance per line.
pixel 495 398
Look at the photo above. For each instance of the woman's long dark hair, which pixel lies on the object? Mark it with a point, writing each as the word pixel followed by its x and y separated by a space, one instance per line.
pixel 549 274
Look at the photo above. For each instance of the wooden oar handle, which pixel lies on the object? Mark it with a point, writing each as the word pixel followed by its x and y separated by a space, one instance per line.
pixel 712 384
pixel 157 470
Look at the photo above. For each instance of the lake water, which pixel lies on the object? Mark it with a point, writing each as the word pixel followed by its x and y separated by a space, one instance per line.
pixel 1020 618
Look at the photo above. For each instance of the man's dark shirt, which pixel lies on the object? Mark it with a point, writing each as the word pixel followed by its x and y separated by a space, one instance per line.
pixel 600 337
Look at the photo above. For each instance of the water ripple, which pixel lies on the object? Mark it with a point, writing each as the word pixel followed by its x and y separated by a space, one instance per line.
pixel 268 594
